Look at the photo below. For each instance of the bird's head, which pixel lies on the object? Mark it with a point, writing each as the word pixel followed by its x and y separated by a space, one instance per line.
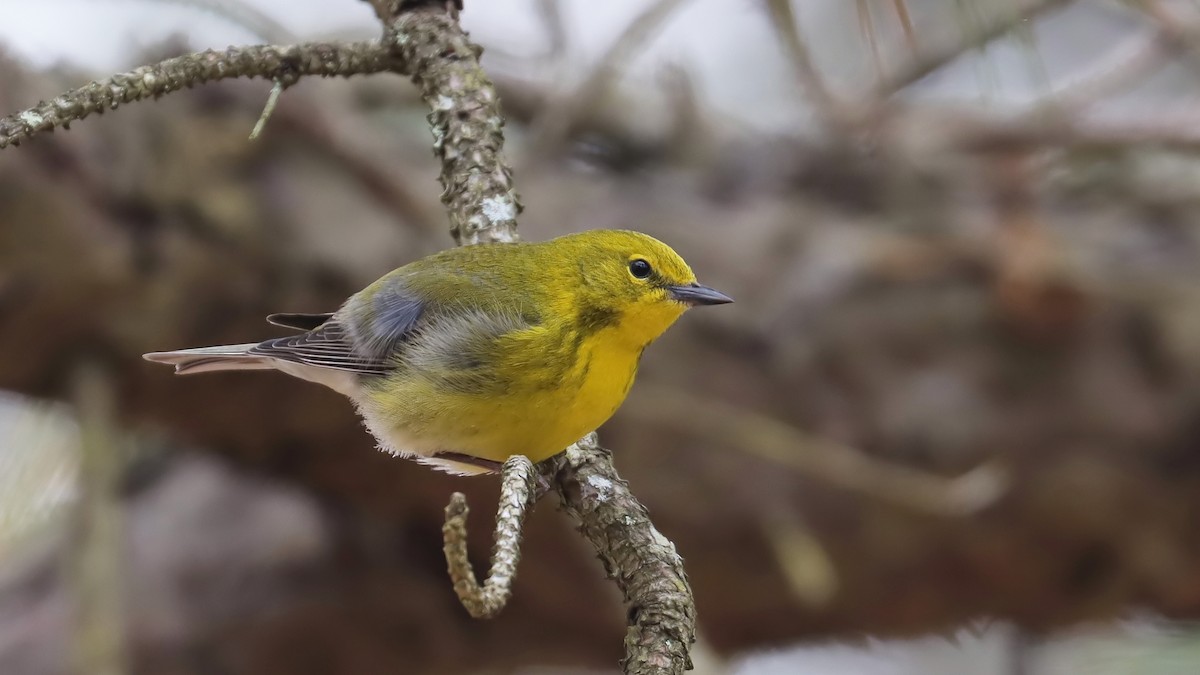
pixel 636 283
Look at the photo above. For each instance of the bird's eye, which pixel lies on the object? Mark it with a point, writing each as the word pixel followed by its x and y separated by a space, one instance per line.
pixel 639 268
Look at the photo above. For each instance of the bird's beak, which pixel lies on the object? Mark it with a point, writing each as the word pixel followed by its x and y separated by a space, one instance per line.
pixel 695 294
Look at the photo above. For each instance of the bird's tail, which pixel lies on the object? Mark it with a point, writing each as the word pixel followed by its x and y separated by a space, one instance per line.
pixel 209 359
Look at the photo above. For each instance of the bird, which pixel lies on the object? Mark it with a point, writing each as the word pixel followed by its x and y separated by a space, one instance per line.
pixel 469 356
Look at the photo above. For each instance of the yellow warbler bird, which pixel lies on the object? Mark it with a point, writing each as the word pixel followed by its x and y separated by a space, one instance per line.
pixel 472 355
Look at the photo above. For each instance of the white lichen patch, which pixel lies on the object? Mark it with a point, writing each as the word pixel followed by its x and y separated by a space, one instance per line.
pixel 31 119
pixel 498 209
pixel 602 485
pixel 443 103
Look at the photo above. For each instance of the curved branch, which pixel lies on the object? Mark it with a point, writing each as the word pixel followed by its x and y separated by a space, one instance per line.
pixel 280 63
pixel 642 562
pixel 516 496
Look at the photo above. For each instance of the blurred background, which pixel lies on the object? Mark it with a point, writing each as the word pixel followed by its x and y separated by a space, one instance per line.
pixel 951 425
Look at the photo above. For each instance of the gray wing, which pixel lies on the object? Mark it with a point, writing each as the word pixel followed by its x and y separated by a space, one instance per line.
pixel 366 348
pixel 326 346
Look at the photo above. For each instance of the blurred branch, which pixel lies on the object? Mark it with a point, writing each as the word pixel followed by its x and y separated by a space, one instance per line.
pixel 823 460
pixel 386 184
pixel 866 26
pixel 95 564
pixel 284 64
pixel 1141 58
pixel 975 37
pixel 1044 132
pixel 809 569
pixel 516 496
pixel 902 15
pixel 690 139
pixel 1178 34
pixel 830 110
pixel 242 14
pixel 561 113
pixel 550 13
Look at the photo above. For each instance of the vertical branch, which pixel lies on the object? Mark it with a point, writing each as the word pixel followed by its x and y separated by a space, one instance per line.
pixel 466 122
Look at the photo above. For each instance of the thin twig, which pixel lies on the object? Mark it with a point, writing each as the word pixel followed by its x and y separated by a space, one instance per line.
pixel 268 109
pixel 268 61
pixel 516 496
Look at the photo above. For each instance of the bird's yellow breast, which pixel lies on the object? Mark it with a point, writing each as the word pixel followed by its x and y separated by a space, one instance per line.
pixel 527 414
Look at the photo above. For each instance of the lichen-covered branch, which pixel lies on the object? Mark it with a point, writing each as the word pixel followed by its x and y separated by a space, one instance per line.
pixel 642 562
pixel 467 129
pixel 466 122
pixel 280 63
pixel 516 496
